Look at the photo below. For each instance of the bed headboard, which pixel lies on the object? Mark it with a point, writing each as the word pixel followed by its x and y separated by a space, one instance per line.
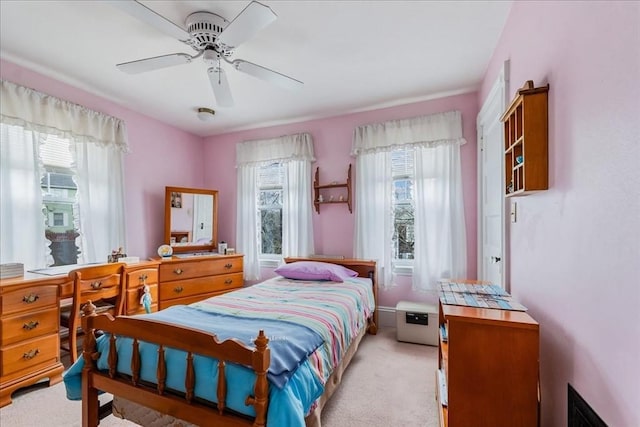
pixel 364 268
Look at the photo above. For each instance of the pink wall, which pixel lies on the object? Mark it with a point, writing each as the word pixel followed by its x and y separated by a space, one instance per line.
pixel 334 226
pixel 575 250
pixel 160 156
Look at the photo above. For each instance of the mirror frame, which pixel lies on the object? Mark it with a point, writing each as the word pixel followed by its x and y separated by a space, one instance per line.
pixel 167 219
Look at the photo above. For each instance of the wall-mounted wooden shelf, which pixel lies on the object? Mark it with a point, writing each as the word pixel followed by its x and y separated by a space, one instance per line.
pixel 526 141
pixel 322 196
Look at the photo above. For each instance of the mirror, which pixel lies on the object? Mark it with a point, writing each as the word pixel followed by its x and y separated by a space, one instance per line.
pixel 191 219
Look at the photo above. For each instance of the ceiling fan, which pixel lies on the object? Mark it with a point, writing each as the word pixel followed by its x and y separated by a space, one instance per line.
pixel 213 38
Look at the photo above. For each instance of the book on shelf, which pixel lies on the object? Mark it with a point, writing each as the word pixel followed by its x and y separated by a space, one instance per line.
pixel 443 333
pixel 442 387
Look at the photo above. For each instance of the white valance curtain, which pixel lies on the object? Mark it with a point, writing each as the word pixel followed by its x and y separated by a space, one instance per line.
pixel 97 142
pixel 440 237
pixel 296 153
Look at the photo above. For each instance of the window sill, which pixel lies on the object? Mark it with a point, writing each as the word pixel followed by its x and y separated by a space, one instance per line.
pixel 270 262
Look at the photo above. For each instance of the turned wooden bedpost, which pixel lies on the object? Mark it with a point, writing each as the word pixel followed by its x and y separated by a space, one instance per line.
pixel 89 394
pixel 261 361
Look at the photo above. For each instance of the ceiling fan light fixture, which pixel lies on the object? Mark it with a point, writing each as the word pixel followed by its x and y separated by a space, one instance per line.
pixel 205 114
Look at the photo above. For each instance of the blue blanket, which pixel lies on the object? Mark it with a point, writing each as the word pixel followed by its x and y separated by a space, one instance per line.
pixel 289 343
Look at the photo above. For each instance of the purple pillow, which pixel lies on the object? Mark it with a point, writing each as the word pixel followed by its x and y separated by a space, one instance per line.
pixel 314 270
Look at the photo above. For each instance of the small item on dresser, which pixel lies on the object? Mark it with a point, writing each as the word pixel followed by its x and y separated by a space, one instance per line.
pixel 116 254
pixel 222 247
pixel 12 269
pixel 165 251
pixel 130 259
pixel 231 251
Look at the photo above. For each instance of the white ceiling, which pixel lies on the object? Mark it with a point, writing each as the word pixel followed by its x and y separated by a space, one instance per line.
pixel 351 56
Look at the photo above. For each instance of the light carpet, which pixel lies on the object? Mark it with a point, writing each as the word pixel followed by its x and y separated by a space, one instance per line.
pixel 387 384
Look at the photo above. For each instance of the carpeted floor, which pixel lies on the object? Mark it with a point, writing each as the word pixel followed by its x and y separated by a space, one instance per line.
pixel 387 384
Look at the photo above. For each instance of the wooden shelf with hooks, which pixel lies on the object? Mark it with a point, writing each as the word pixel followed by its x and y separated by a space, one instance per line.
pixel 322 197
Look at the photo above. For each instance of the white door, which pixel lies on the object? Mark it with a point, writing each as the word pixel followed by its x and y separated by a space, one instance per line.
pixel 202 217
pixel 491 214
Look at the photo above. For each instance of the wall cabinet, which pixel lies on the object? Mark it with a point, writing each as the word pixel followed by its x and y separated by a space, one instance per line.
pixel 323 194
pixel 488 367
pixel 526 141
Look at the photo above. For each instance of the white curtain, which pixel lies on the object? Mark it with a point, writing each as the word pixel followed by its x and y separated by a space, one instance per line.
pixel 440 235
pixel 297 205
pixel 296 152
pixel 97 143
pixel 100 200
pixel 438 201
pixel 374 220
pixel 22 221
pixel 247 220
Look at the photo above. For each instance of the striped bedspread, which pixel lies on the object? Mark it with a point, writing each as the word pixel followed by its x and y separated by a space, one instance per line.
pixel 336 311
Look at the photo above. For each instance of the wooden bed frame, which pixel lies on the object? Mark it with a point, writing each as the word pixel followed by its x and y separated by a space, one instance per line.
pixel 183 406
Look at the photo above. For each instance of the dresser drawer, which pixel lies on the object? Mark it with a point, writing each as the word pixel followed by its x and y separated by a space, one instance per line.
pixel 200 268
pixel 29 325
pixel 29 298
pixel 200 285
pixel 140 277
pixel 29 354
pixel 132 305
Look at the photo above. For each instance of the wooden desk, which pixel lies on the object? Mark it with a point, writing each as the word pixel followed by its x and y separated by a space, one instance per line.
pixel 30 319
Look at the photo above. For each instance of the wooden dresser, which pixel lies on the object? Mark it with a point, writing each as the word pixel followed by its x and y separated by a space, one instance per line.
pixel 489 363
pixel 29 340
pixel 191 279
pixel 30 319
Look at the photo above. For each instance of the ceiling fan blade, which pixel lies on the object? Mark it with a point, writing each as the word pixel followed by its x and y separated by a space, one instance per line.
pixel 252 19
pixel 267 74
pixel 155 63
pixel 148 16
pixel 220 86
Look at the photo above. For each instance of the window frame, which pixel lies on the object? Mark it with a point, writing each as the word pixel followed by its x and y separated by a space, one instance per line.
pixel 403 267
pixel 277 183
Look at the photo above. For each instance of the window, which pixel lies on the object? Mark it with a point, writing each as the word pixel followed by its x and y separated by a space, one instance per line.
pixel 270 181
pixel 57 151
pixel 403 204
pixel 58 198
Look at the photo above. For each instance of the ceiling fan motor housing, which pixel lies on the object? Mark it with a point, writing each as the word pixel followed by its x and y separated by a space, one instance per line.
pixel 204 28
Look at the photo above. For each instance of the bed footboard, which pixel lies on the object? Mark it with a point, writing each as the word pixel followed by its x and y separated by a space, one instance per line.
pixel 156 396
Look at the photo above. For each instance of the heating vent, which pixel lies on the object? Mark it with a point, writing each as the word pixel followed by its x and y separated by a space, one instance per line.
pixel 580 413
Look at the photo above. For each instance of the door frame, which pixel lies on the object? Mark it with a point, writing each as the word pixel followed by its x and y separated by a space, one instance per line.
pixel 498 93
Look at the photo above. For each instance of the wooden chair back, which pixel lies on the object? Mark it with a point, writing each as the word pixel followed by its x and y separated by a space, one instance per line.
pixel 103 285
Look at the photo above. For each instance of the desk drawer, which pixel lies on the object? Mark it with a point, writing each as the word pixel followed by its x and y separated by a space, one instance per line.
pixel 29 325
pixel 140 277
pixel 133 306
pixel 201 285
pixel 200 268
pixel 31 298
pixel 28 354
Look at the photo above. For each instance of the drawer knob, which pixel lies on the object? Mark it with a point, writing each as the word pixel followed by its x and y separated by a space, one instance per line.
pixel 30 325
pixel 31 298
pixel 178 289
pixel 228 281
pixel 143 277
pixel 96 285
pixel 178 271
pixel 228 266
pixel 30 354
